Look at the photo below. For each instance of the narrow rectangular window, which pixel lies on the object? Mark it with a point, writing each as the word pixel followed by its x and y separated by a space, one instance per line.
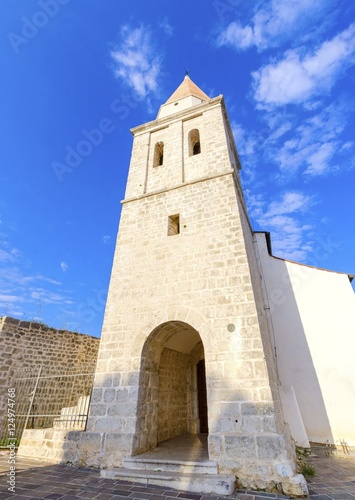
pixel 158 154
pixel 173 224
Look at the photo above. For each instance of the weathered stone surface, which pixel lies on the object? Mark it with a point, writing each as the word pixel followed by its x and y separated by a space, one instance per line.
pixel 89 449
pixel 109 395
pixel 271 447
pixel 240 447
pixel 110 424
pixel 25 344
pixel 173 395
pixel 185 341
pixel 257 408
pixel 96 395
pixel 98 410
pixel 58 446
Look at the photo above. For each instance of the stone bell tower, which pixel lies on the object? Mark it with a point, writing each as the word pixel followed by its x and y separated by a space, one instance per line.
pixel 185 347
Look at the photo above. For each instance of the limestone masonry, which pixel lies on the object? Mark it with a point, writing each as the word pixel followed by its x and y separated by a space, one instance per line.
pixel 205 332
pixel 25 344
pixel 185 286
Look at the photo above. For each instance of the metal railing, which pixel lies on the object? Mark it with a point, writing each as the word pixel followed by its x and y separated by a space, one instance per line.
pixel 48 398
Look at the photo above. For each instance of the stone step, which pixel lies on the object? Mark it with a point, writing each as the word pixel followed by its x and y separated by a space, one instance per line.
pixel 202 467
pixel 193 481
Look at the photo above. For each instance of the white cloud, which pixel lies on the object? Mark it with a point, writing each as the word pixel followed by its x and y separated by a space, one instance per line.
pixel 5 256
pixel 64 266
pixel 314 143
pixel 8 254
pixel 299 76
pixel 45 296
pixel 281 130
pixel 238 36
pixel 346 146
pixel 273 22
pixel 136 61
pixel 10 298
pixel 319 161
pixel 22 294
pixel 245 142
pixel 166 26
pixel 291 244
pixel 40 277
pixel 290 203
pixel 252 145
pixel 283 218
pixel 309 144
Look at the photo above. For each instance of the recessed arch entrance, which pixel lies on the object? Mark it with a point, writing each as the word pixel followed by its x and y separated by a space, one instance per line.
pixel 172 399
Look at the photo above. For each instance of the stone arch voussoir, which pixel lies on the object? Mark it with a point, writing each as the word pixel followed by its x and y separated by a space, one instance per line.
pixel 184 314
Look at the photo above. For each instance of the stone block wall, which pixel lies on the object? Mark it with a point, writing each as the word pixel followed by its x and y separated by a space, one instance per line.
pixel 201 273
pixel 26 344
pixel 173 395
pixel 51 445
pixel 203 277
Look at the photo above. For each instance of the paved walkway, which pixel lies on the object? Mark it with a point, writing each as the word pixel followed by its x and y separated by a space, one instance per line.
pixel 335 479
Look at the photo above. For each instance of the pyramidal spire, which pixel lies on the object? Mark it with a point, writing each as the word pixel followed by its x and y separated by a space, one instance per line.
pixel 187 94
pixel 187 88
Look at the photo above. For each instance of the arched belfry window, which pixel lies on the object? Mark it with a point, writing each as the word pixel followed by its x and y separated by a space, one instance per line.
pixel 158 154
pixel 194 142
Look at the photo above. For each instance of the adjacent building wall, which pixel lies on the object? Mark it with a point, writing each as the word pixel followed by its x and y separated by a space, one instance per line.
pixel 313 317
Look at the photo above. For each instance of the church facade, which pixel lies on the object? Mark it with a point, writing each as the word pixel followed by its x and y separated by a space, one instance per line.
pixel 207 334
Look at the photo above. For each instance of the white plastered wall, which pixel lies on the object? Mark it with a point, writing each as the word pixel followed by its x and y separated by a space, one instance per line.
pixel 313 317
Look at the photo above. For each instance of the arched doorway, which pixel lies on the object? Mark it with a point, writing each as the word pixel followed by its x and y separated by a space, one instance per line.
pixel 172 399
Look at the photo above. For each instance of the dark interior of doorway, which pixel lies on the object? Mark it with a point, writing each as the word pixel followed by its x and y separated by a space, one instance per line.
pixel 202 396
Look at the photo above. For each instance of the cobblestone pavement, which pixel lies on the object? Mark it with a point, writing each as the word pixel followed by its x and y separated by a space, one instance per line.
pixel 334 479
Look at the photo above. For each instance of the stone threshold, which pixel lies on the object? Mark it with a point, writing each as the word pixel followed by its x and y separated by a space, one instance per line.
pixel 194 481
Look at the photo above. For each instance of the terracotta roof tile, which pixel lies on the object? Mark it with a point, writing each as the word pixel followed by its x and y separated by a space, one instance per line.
pixel 187 88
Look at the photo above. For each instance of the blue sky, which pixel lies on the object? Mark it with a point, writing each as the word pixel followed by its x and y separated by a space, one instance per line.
pixel 78 74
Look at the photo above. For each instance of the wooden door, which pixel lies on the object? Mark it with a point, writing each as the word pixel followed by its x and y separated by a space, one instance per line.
pixel 202 396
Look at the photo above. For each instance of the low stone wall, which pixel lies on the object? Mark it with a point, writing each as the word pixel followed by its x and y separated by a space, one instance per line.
pixel 62 446
pixel 56 446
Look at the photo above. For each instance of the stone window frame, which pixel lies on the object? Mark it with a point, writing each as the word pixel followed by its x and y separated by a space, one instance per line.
pixel 158 159
pixel 194 142
pixel 173 224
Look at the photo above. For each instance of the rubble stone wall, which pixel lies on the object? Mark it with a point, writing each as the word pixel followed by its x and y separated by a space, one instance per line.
pixel 25 344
